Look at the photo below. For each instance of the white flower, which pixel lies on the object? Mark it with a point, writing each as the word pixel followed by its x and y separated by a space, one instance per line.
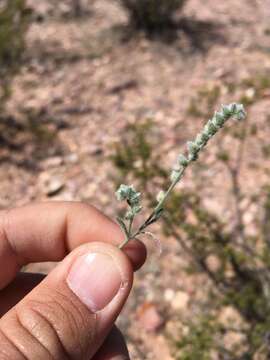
pixel 127 192
pixel 122 192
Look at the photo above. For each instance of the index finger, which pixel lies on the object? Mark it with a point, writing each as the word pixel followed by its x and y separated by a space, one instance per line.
pixel 49 231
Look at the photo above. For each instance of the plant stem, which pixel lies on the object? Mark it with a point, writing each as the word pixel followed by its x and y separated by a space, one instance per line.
pixel 194 147
pixel 153 215
pixel 167 193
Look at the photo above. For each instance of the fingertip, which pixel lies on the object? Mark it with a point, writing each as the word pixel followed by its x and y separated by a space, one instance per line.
pixel 103 229
pixel 99 272
pixel 136 252
pixel 135 249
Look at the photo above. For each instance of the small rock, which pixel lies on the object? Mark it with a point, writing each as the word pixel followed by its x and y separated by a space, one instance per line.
pixel 235 341
pixel 169 294
pixel 213 263
pixel 90 190
pixel 180 300
pixel 54 187
pixel 72 158
pixel 53 161
pixel 104 199
pixel 51 184
pixel 230 317
pixel 250 93
pixel 149 317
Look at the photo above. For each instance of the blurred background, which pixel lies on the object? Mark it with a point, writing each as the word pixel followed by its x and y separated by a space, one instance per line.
pixel 94 93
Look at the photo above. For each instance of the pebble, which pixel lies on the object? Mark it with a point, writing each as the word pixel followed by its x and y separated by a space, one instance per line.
pixel 53 161
pixel 51 185
pixel 149 317
pixel 213 263
pixel 169 294
pixel 54 186
pixel 180 300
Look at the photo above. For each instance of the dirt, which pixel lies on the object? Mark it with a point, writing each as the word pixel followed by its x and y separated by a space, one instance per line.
pixel 84 79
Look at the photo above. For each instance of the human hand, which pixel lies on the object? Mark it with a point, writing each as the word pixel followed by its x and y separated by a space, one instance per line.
pixel 70 313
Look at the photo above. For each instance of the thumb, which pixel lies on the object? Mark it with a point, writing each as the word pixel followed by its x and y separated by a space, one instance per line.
pixel 70 313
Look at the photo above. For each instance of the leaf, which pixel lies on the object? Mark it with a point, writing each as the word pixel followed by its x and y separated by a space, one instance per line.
pixel 122 225
pixel 156 217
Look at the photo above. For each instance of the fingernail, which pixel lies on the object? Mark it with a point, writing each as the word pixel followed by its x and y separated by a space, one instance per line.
pixel 95 279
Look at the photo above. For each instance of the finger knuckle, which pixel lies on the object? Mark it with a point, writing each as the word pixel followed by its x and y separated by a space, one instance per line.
pixel 8 350
pixel 15 340
pixel 59 325
pixel 31 317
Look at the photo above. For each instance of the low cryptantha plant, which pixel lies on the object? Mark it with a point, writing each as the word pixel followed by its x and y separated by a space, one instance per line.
pixel 133 198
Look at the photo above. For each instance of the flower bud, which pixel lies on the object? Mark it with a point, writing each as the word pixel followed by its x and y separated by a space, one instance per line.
pixel 160 196
pixel 174 175
pixel 240 113
pixel 182 160
pixel 199 140
pixel 218 119
pixel 227 110
pixel 122 192
pixel 205 137
pixel 192 147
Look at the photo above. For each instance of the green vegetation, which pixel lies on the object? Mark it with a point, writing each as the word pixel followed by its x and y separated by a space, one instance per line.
pixel 31 131
pixel 132 198
pixel 242 278
pixel 200 342
pixel 13 25
pixel 247 92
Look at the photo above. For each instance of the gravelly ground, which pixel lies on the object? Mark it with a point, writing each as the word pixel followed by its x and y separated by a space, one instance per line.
pixel 82 79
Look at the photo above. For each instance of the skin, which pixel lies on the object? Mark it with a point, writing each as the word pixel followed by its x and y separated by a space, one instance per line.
pixel 40 317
